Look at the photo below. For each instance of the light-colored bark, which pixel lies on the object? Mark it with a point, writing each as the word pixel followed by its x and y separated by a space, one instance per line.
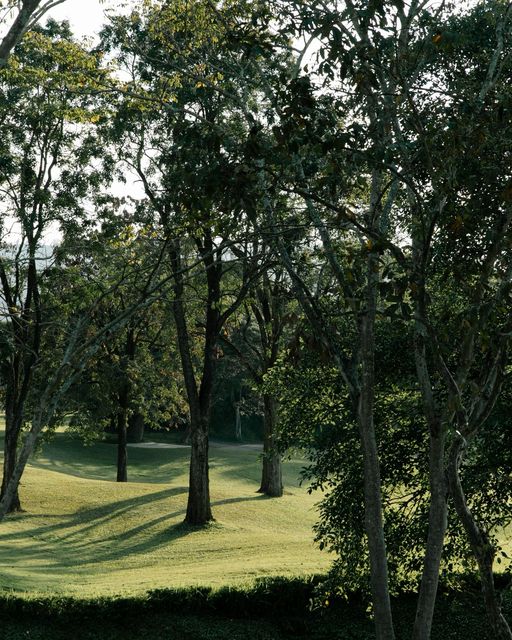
pixel 481 545
pixel 372 482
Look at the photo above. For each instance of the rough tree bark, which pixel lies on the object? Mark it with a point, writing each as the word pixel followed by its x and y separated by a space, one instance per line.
pixel 12 432
pixel 198 505
pixel 271 474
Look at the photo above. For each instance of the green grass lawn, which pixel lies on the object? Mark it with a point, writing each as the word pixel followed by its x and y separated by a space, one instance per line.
pixel 84 534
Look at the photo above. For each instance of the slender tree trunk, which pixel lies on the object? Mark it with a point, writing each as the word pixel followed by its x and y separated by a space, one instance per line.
pixel 13 423
pixel 198 506
pixel 437 521
pixel 271 475
pixel 371 464
pixel 124 404
pixel 481 546
pixel 238 422
pixel 10 457
pixel 122 438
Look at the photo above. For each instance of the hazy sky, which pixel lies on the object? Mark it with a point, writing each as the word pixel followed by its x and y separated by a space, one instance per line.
pixel 86 16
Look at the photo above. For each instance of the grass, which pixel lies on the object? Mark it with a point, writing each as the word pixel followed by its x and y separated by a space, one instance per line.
pixel 85 558
pixel 85 535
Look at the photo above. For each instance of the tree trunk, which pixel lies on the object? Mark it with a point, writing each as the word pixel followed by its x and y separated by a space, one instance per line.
pixel 12 432
pixel 10 456
pixel 198 507
pixel 371 464
pixel 122 455
pixel 435 540
pixel 271 476
pixel 438 508
pixel 124 405
pixel 199 399
pixel 17 29
pixel 238 422
pixel 14 481
pixel 481 546
pixel 136 425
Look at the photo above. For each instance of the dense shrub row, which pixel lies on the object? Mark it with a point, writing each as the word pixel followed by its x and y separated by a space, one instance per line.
pixel 273 609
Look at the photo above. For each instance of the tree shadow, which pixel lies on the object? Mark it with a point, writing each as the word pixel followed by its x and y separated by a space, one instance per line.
pixel 259 496
pixel 72 540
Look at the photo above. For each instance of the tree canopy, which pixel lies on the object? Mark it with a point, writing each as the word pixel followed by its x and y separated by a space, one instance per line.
pixel 310 201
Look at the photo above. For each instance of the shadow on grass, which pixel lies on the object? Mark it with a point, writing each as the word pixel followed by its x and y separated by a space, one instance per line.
pixel 76 540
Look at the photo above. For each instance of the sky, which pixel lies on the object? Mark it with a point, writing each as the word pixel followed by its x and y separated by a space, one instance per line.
pixel 85 16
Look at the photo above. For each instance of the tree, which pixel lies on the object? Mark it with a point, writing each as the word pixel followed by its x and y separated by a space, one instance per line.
pixel 269 308
pixel 37 141
pixel 463 212
pixel 132 381
pixel 407 145
pixel 26 15
pixel 184 139
pixel 80 343
pixel 289 162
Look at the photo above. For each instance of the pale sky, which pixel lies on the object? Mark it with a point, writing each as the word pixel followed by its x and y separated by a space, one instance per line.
pixel 85 16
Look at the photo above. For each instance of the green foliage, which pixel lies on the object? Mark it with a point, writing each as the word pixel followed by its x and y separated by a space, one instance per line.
pixel 275 609
pixel 316 415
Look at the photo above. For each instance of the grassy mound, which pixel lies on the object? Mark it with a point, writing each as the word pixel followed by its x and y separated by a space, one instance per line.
pixel 85 535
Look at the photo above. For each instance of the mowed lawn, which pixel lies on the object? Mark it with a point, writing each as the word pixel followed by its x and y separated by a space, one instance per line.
pixel 84 534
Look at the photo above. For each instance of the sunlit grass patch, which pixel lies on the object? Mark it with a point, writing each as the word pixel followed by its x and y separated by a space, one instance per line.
pixel 84 534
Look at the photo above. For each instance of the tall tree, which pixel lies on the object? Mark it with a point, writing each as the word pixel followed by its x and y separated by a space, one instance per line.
pixel 405 143
pixel 463 211
pixel 184 134
pixel 37 141
pixel 269 308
